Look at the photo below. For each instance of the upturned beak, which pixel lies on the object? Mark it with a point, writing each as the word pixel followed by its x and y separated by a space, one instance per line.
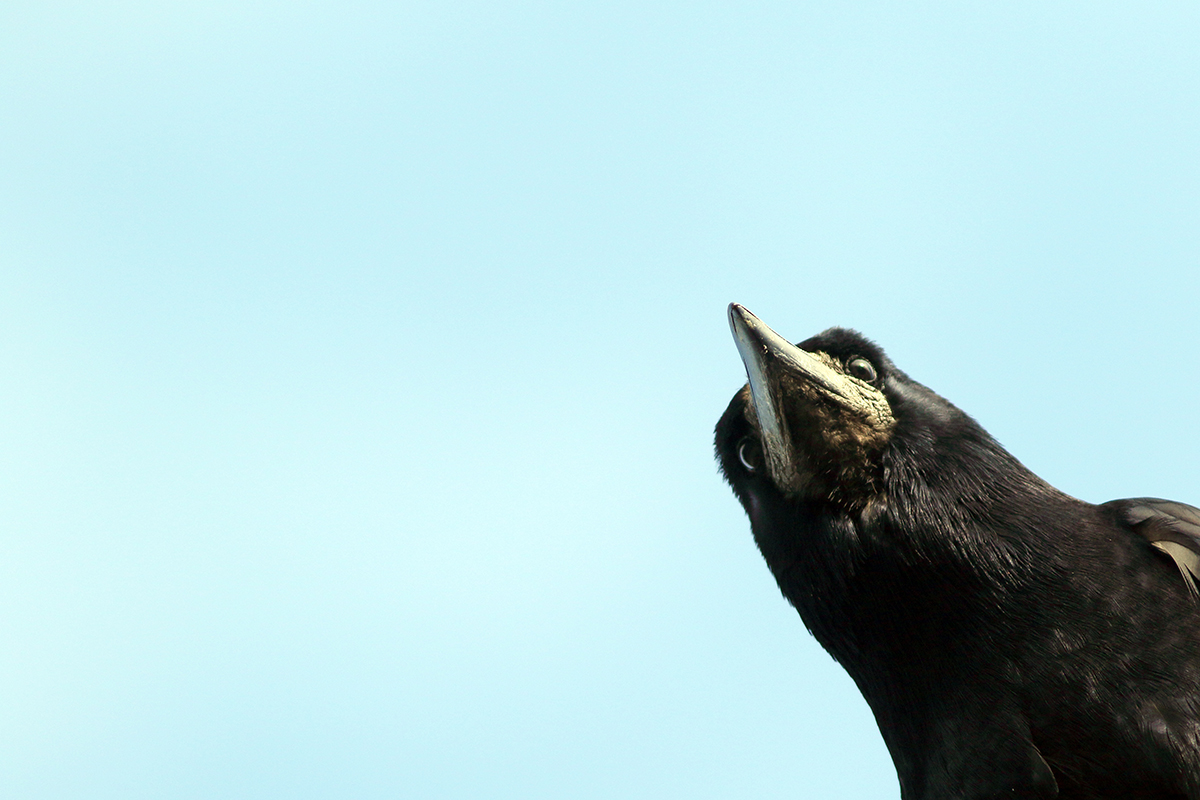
pixel 767 357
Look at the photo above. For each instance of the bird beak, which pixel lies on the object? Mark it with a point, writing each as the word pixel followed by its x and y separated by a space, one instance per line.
pixel 767 357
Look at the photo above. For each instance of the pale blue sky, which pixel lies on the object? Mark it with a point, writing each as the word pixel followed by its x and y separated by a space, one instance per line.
pixel 361 362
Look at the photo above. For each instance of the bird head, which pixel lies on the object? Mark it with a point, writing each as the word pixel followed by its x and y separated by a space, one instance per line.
pixel 832 420
pixel 813 417
pixel 809 409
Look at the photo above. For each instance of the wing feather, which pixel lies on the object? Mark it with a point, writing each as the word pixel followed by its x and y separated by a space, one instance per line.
pixel 1170 527
pixel 1187 561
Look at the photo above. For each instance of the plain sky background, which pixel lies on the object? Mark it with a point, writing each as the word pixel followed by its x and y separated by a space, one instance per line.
pixel 360 363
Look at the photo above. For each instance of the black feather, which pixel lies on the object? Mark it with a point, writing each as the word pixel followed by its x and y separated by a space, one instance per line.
pixel 1011 640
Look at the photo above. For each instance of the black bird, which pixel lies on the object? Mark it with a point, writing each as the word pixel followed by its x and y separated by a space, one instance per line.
pixel 1011 640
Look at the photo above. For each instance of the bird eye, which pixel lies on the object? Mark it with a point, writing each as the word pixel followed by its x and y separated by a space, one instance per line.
pixel 750 454
pixel 862 369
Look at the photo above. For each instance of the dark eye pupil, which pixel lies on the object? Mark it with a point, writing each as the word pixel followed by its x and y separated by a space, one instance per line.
pixel 862 369
pixel 749 454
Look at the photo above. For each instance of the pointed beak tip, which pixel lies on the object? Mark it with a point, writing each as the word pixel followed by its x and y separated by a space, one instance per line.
pixel 740 318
